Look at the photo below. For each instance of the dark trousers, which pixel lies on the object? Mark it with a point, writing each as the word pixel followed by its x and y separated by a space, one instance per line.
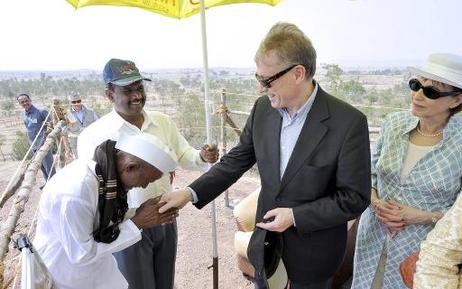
pixel 259 284
pixel 320 285
pixel 150 263
pixel 47 163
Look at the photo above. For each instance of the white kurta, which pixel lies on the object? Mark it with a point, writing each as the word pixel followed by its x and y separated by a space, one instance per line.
pixel 67 217
pixel 111 125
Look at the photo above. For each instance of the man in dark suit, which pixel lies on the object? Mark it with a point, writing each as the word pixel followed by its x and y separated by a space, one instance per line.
pixel 312 152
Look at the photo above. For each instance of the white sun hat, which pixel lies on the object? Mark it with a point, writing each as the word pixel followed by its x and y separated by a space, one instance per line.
pixel 442 67
pixel 148 148
pixel 73 96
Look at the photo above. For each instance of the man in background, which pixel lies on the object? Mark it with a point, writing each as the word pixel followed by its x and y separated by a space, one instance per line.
pixel 34 118
pixel 79 117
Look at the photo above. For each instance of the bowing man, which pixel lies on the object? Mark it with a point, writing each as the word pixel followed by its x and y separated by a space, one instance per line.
pixel 84 216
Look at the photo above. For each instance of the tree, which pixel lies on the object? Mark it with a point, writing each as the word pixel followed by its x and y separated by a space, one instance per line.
pixel 8 106
pixel 20 146
pixel 332 77
pixel 352 90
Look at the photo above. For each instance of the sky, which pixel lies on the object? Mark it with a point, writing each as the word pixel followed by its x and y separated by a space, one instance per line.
pixel 52 35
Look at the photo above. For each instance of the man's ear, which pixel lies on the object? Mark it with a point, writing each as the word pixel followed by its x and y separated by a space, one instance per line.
pixel 300 72
pixel 109 94
pixel 131 166
pixel 457 101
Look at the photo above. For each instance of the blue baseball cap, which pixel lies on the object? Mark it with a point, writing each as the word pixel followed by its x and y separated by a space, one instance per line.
pixel 121 72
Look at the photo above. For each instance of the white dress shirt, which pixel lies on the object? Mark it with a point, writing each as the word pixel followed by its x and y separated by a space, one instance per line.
pixel 67 217
pixel 112 125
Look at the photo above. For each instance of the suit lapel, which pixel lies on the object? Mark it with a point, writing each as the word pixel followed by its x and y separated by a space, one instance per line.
pixel 312 133
pixel 273 139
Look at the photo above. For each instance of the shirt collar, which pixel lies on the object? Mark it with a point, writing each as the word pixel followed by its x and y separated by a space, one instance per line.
pixel 31 110
pixel 119 121
pixel 82 109
pixel 92 165
pixel 411 124
pixel 452 125
pixel 305 107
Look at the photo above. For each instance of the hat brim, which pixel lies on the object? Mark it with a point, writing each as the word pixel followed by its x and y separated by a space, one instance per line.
pixel 129 80
pixel 423 73
pixel 279 279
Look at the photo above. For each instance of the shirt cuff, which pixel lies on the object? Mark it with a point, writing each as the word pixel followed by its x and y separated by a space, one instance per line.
pixel 199 163
pixel 131 227
pixel 130 213
pixel 293 217
pixel 194 195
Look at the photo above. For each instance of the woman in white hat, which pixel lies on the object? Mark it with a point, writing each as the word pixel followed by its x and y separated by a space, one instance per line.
pixel 416 174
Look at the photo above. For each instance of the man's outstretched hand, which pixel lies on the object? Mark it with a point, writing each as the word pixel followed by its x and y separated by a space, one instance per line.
pixel 176 199
pixel 147 215
pixel 209 153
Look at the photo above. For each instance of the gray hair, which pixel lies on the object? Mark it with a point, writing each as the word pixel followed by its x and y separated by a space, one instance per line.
pixel 291 45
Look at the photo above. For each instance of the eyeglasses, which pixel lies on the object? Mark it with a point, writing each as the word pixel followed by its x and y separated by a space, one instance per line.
pixel 76 101
pixel 429 91
pixel 267 82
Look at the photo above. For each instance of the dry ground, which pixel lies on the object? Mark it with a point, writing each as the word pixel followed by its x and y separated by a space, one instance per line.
pixel 194 237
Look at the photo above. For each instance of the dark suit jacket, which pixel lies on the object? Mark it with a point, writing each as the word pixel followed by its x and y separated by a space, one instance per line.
pixel 326 182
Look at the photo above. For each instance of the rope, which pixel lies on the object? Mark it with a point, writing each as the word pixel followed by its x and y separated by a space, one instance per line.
pixel 241 94
pixel 379 106
pixel 353 104
pixel 9 225
pixel 224 112
pixel 33 223
pixel 2 266
pixel 29 232
pixel 26 155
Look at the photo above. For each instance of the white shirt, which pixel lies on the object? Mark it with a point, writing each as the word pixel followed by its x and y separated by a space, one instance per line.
pixel 291 128
pixel 67 217
pixel 112 125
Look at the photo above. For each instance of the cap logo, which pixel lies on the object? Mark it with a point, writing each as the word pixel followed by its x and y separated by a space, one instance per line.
pixel 128 68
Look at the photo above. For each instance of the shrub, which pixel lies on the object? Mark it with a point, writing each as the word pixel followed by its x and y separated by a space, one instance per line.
pixel 20 146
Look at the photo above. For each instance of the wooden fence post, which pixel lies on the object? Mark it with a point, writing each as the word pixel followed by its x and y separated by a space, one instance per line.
pixel 17 208
pixel 223 137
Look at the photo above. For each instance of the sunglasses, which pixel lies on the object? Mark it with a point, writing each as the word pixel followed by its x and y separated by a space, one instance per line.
pixel 267 81
pixel 76 101
pixel 429 91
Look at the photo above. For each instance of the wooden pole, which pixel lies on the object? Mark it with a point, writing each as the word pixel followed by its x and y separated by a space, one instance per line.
pixel 9 225
pixel 13 187
pixel 223 137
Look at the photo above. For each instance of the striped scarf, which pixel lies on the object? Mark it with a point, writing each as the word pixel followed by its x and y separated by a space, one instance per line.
pixel 112 201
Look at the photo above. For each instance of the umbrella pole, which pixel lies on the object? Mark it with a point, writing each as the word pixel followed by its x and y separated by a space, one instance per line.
pixel 209 138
